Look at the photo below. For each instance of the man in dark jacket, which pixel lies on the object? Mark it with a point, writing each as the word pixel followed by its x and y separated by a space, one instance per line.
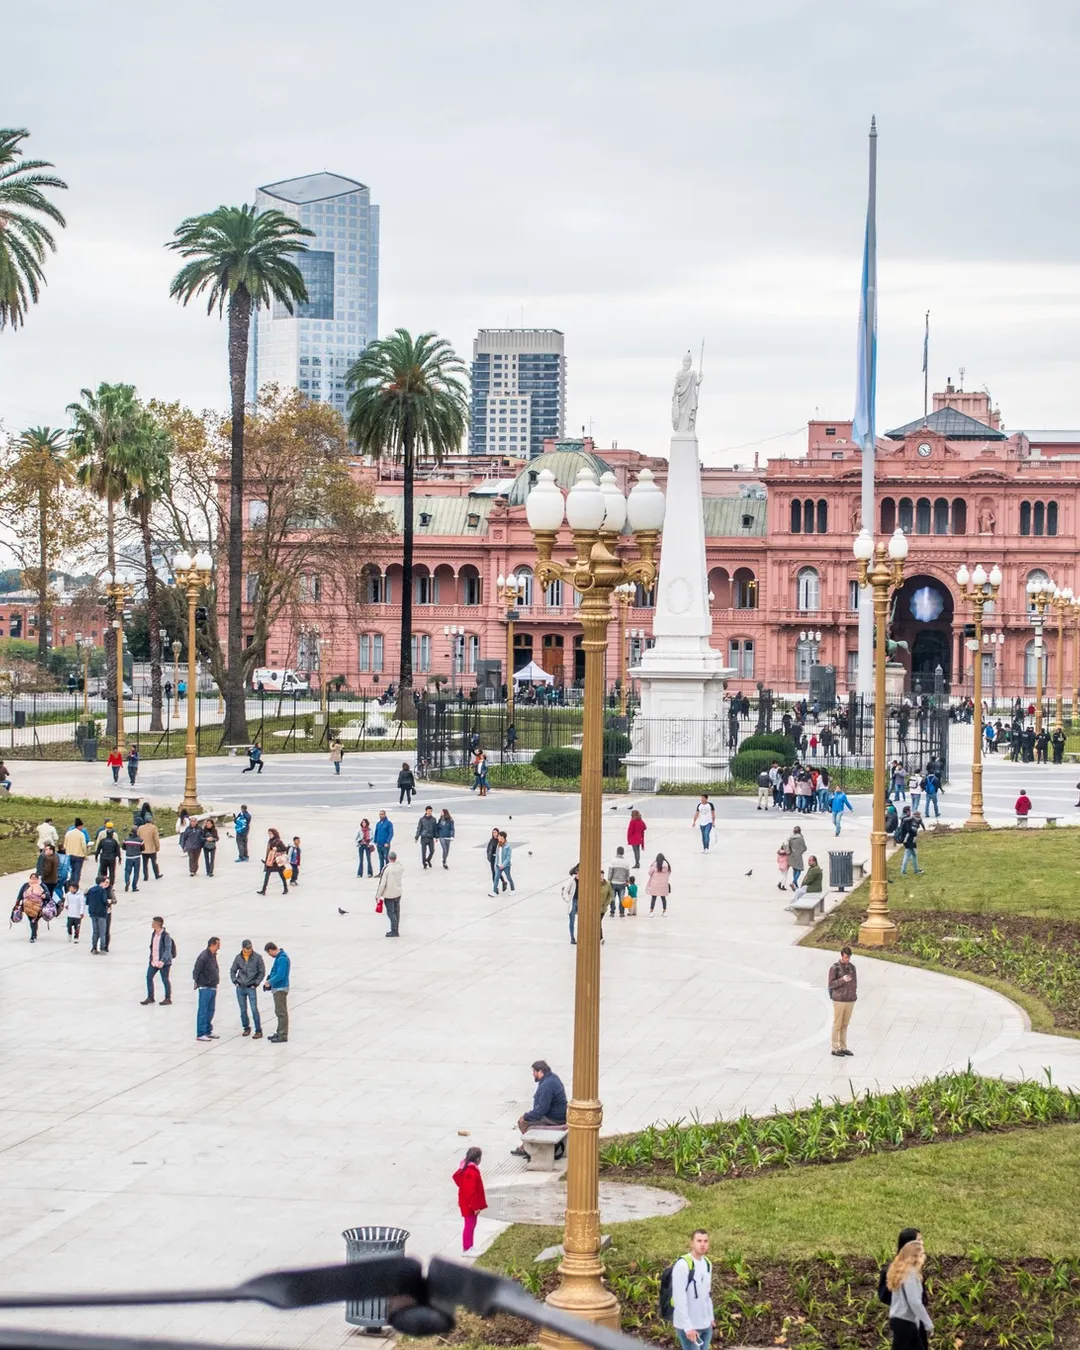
pixel 108 854
pixel 206 978
pixel 843 990
pixel 427 831
pixel 192 841
pixel 97 906
pixel 133 851
pixel 549 1103
pixel 162 955
pixel 247 973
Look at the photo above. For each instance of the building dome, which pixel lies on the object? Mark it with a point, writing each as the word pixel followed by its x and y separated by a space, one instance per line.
pixel 565 462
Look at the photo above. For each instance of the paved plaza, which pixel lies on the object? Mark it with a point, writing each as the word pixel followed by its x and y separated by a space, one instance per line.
pixel 134 1156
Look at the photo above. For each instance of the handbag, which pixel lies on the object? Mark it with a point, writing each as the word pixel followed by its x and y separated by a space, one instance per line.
pixel 379 905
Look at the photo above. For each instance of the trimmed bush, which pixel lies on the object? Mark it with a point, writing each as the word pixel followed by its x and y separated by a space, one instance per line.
pixel 558 761
pixel 774 741
pixel 746 765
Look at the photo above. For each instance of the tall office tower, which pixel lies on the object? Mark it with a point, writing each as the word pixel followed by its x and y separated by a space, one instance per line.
pixel 312 348
pixel 518 391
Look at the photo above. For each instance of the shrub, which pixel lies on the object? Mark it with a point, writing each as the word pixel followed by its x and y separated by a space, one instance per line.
pixel 774 741
pixel 616 747
pixel 747 764
pixel 558 761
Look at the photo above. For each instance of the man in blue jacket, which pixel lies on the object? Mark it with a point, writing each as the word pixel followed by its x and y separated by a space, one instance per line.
pixel 242 825
pixel 278 985
pixel 549 1103
pixel 383 837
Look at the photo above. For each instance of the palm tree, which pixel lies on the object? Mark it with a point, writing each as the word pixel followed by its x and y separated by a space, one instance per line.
pixel 24 237
pixel 105 428
pixel 147 482
pixel 44 468
pixel 241 257
pixel 408 401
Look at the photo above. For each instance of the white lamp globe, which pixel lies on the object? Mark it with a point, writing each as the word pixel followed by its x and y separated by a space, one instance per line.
pixel 645 506
pixel 615 518
pixel 585 504
pixel 500 581
pixel 898 546
pixel 979 575
pixel 203 561
pixel 963 576
pixel 182 562
pixel 544 506
pixel 995 575
pixel 863 547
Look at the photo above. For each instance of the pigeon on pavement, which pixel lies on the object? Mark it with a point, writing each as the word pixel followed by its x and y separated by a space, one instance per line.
pixel 342 911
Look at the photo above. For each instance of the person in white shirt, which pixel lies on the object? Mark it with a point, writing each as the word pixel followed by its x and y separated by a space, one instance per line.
pixel 705 819
pixel 691 1295
pixel 46 834
pixel 914 786
pixel 75 909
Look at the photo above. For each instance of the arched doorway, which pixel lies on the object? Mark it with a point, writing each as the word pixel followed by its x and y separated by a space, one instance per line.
pixel 921 614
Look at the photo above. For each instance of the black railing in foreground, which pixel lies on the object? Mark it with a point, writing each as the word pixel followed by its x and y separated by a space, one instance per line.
pixel 418 1304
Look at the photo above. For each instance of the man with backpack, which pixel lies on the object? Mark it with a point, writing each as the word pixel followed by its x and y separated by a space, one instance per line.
pixel 686 1294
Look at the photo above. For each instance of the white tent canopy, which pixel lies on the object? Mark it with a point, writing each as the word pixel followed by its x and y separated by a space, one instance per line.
pixel 533 673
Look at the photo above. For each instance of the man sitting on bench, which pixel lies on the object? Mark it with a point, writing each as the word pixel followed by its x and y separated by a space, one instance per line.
pixel 548 1108
pixel 810 883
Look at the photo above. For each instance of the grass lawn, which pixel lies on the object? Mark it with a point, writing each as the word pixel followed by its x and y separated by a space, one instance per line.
pixel 20 817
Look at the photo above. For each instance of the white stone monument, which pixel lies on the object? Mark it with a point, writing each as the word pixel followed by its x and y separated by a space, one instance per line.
pixel 679 733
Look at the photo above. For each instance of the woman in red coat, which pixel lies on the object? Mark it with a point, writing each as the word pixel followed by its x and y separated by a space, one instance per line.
pixel 635 835
pixel 471 1197
pixel 116 763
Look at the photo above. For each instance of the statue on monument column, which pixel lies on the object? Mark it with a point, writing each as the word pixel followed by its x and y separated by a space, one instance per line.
pixel 684 399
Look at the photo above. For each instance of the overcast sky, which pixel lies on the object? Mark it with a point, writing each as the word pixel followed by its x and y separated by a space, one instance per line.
pixel 639 175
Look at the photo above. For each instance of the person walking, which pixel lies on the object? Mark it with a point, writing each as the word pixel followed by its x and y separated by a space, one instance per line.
pixel 274 861
pixel 909 1321
pixel 133 764
pixel 242 827
pixel 618 874
pixel 704 820
pixel 841 802
pixel 908 836
pixel 658 886
pixel 427 831
pixel 383 836
pixel 915 787
pixel 503 862
pixel 151 847
pixel 365 847
pixel 48 869
pixel 295 854
pixel 635 835
pixel 691 1295
pixel 471 1197
pixel 210 843
pixel 76 846
pixel 206 977
pixel 843 990
pixel 570 900
pixel 337 754
pixel 389 890
pixel 247 972
pixel 406 782
pixel 97 906
pixel 255 758
pixel 162 955
pixel 191 841
pixel 932 786
pixel 31 901
pixel 445 834
pixel 115 763
pixel 74 910
pixel 108 854
pixel 481 768
pixel 797 849
pixel 277 983
pixel 133 851
pixel 492 851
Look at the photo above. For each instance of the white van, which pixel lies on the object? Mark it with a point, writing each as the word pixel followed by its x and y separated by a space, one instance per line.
pixel 281 681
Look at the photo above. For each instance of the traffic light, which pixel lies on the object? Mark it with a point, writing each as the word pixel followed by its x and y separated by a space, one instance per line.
pixel 969 630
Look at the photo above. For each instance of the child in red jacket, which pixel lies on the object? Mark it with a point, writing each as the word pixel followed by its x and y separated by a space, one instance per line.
pixel 471 1197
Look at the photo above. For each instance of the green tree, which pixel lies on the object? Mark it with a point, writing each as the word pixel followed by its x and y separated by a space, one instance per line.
pixel 245 259
pixel 24 236
pixel 147 482
pixel 409 403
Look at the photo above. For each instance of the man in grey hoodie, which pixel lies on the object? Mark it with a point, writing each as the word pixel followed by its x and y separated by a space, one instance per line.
pixel 427 831
pixel 618 874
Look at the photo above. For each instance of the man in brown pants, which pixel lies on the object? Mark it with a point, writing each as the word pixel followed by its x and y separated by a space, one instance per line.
pixel 843 990
pixel 278 984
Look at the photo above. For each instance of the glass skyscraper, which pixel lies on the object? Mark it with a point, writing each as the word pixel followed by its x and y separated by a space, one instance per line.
pixel 312 348
pixel 518 391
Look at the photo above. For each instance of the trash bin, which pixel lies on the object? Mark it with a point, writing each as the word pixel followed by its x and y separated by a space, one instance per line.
pixel 841 871
pixel 20 717
pixel 361 1242
pixel 89 750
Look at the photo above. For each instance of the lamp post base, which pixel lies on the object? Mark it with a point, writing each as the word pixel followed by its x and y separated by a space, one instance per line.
pixel 877 933
pixel 584 1297
pixel 976 823
pixel 193 808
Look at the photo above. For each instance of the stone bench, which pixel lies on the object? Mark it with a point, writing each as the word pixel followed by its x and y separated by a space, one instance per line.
pixel 860 870
pixel 809 908
pixel 131 802
pixel 540 1144
pixel 1021 822
pixel 233 749
pixel 1051 822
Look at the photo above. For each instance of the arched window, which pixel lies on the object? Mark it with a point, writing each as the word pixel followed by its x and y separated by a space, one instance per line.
pixel 744 589
pixel 803 661
pixel 371 590
pixel 469 588
pixel 1025 517
pixel 907 515
pixel 808 516
pixel 822 516
pixel 1031 668
pixel 941 516
pixel 888 516
pixel 525 574
pixel 1038 519
pixel 1051 517
pixel 922 516
pixel 425 587
pixel 808 589
pixel 959 516
pixel 741 657
pixel 643 599
pixel 1037 575
pixel 796 516
pixel 720 585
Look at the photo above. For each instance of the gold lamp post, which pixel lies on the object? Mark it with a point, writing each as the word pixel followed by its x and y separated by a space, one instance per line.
pixel 177 644
pixel 1062 601
pixel 882 568
pixel 624 595
pixel 510 590
pixel 1075 613
pixel 193 574
pixel 1040 596
pixel 596 514
pixel 981 588
pixel 84 647
pixel 119 592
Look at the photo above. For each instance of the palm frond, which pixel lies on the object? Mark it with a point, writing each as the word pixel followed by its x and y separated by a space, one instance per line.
pixel 24 239
pixel 237 247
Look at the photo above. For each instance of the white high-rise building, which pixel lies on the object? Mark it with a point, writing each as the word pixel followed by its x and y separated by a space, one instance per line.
pixel 312 348
pixel 518 391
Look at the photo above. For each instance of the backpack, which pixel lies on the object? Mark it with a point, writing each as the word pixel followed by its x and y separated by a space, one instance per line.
pixel 16 914
pixel 666 1302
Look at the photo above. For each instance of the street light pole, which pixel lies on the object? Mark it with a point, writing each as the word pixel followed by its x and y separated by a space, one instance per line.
pixel 1041 594
pixel 176 675
pixel 193 574
pixel 510 591
pixel 882 568
pixel 596 514
pixel 981 588
pixel 83 646
pixel 624 595
pixel 119 592
pixel 1061 600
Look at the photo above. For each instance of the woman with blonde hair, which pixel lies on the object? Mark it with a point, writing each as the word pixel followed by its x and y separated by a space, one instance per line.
pixel 909 1321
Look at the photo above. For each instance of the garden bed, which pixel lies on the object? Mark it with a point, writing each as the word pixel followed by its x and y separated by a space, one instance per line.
pixel 20 817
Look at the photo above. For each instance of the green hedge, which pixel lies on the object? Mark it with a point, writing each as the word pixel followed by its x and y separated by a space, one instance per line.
pixel 776 742
pixel 747 764
pixel 556 761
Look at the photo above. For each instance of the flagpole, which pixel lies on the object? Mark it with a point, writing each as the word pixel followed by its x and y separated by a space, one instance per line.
pixel 926 368
pixel 864 411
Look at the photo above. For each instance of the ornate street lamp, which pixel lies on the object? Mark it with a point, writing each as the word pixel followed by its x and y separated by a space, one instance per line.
pixel 511 591
pixel 882 568
pixel 84 647
pixel 119 591
pixel 981 588
pixel 193 574
pixel 1061 600
pixel 1040 595
pixel 624 595
pixel 596 518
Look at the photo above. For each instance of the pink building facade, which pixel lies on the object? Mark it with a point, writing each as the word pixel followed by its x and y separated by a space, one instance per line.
pixel 778 543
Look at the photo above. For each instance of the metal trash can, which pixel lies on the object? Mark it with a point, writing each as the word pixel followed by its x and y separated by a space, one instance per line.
pixel 841 872
pixel 361 1242
pixel 89 751
pixel 20 719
